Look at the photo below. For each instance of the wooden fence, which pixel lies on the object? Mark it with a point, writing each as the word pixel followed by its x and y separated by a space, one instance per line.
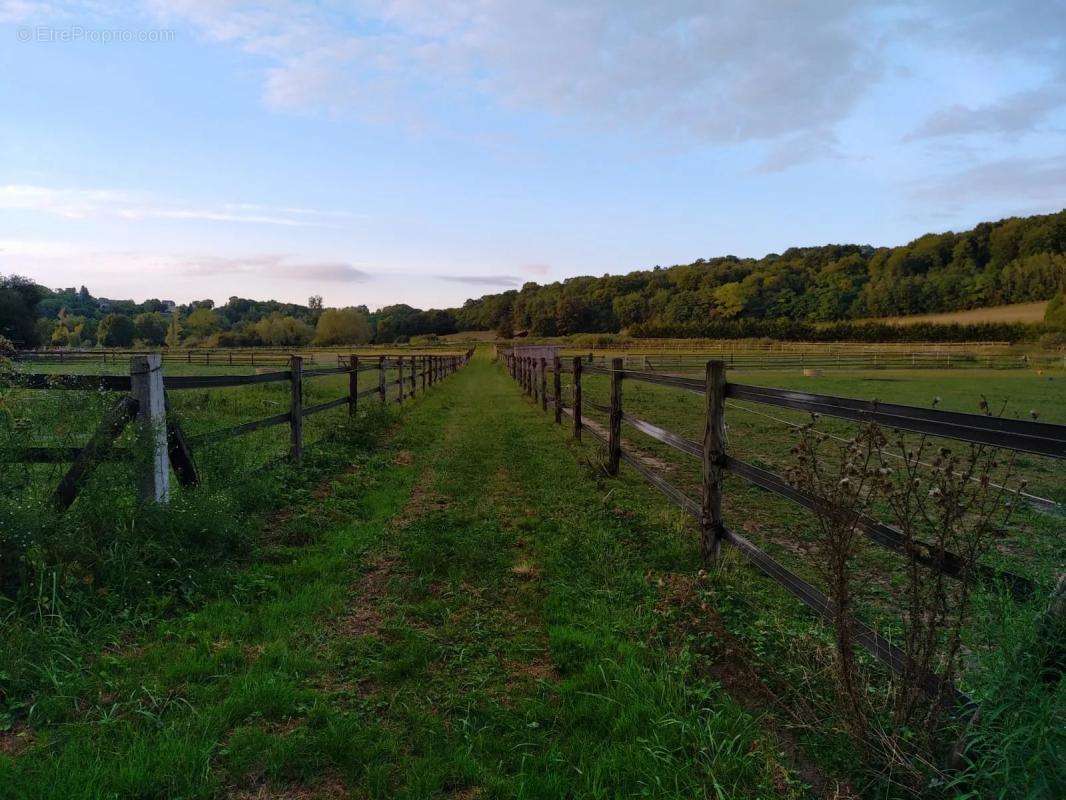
pixel 1018 435
pixel 800 359
pixel 212 357
pixel 145 401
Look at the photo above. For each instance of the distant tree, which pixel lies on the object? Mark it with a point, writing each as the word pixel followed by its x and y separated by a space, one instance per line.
pixel 1055 314
pixel 314 302
pixel 730 299
pixel 283 331
pixel 151 328
pixel 44 328
pixel 504 328
pixel 202 322
pixel 173 337
pixel 19 298
pixel 342 326
pixel 116 330
pixel 630 309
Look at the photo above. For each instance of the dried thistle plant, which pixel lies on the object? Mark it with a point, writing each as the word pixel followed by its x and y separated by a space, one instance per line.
pixel 843 477
pixel 950 505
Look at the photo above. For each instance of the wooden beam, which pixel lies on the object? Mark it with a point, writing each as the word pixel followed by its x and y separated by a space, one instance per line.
pixel 96 450
pixel 296 415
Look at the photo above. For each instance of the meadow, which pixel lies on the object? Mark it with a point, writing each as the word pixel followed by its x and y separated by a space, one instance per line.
pixel 451 599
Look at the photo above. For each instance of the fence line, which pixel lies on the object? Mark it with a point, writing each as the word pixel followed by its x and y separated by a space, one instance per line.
pixel 1034 437
pixel 236 356
pixel 145 399
pixel 823 359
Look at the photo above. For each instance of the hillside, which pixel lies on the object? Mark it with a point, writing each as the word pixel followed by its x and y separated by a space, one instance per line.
pixel 1017 260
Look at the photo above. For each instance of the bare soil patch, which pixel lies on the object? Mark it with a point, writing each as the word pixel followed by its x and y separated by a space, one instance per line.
pixel 330 788
pixel 16 740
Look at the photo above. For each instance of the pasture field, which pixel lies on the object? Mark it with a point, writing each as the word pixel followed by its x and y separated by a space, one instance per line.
pixel 1016 312
pixel 449 599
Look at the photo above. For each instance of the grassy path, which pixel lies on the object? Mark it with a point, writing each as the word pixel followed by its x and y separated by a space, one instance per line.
pixel 465 613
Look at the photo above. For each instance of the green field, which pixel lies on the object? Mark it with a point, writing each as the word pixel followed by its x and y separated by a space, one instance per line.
pixel 451 600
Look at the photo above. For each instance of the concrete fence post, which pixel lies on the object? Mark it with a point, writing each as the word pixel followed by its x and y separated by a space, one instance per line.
pixel 146 384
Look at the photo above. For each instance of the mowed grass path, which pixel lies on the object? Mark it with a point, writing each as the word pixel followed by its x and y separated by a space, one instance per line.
pixel 469 612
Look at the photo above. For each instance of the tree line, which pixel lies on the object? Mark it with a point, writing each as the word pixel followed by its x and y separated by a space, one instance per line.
pixel 1011 261
pixel 35 316
pixel 803 293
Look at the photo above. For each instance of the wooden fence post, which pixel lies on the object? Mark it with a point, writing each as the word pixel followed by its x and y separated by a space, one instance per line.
pixel 381 379
pixel 296 408
pixel 425 371
pixel 711 528
pixel 614 440
pixel 353 384
pixel 543 383
pixel 399 379
pixel 414 376
pixel 146 384
pixel 577 398
pixel 557 389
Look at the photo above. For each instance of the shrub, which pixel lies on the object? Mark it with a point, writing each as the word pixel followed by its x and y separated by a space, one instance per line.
pixel 1055 315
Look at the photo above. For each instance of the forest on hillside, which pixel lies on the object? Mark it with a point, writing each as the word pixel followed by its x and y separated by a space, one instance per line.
pixel 789 295
pixel 1011 261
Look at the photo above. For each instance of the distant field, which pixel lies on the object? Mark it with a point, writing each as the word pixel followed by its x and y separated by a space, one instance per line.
pixel 1018 312
pixel 469 336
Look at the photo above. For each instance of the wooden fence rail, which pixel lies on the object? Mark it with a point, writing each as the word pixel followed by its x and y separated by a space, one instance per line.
pixel 159 433
pixel 856 359
pixel 1019 435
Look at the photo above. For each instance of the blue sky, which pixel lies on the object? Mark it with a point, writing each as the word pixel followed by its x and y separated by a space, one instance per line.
pixel 426 152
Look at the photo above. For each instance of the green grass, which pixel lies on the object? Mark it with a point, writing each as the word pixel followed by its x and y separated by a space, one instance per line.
pixel 448 602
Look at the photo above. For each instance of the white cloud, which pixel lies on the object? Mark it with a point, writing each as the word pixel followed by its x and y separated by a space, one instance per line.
pixel 785 73
pixel 1032 184
pixel 87 203
pixel 728 71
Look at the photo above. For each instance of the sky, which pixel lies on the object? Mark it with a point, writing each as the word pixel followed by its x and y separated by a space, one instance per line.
pixel 429 151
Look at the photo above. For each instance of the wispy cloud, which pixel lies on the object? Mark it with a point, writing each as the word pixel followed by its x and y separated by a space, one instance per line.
pixel 1029 183
pixel 484 280
pixel 1021 112
pixel 800 149
pixel 88 203
pixel 284 267
pixel 727 71
pixel 780 72
pixel 274 266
